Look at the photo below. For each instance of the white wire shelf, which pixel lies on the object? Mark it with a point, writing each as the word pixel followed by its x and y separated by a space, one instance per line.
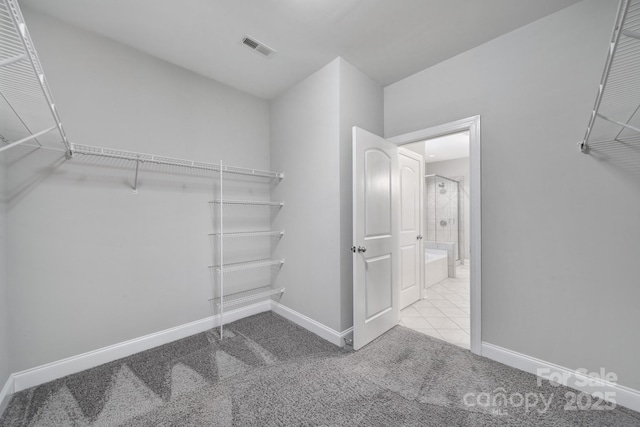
pixel 247 202
pixel 242 266
pixel 275 233
pixel 90 150
pixel 616 112
pixel 237 298
pixel 27 109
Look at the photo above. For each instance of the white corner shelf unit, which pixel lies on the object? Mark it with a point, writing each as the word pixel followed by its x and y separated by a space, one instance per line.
pixel 615 117
pixel 28 117
pixel 224 271
pixel 27 111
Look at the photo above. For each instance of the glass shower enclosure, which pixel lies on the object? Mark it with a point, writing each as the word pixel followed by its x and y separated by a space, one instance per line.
pixel 442 213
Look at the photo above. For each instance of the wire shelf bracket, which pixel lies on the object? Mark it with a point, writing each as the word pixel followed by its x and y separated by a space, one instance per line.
pixel 26 102
pixel 615 116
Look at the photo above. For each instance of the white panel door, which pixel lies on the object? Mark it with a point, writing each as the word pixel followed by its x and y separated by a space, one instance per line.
pixel 411 175
pixel 376 307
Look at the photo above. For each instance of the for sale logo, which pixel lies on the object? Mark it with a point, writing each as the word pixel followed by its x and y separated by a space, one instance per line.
pixel 499 402
pixel 593 397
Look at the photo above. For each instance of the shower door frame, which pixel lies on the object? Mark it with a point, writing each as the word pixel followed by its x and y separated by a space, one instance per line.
pixel 471 124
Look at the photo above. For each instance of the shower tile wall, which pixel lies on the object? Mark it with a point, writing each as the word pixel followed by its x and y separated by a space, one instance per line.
pixel 442 213
pixel 430 197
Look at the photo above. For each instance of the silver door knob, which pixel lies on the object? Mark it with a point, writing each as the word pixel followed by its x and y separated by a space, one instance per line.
pixel 362 249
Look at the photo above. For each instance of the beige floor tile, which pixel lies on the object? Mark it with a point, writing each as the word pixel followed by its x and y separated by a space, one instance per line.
pixel 463 304
pixel 431 332
pixel 446 308
pixel 417 323
pixel 461 294
pixel 409 312
pixel 454 335
pixel 463 322
pixel 464 344
pixel 442 323
pixel 456 298
pixel 443 303
pixel 464 293
pixel 431 312
pixel 453 312
pixel 422 303
pixel 430 296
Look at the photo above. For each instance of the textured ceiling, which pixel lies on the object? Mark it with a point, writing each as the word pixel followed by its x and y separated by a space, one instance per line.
pixel 387 39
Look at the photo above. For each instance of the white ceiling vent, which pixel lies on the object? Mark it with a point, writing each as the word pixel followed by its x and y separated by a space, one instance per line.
pixel 254 44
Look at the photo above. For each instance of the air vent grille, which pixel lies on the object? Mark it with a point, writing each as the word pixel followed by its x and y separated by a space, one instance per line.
pixel 251 43
pixel 257 46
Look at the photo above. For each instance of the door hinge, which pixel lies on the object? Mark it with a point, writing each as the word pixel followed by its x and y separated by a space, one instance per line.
pixel 353 249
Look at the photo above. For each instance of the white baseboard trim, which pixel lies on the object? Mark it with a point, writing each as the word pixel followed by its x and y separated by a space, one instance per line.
pixel 5 394
pixel 624 396
pixel 311 325
pixel 51 371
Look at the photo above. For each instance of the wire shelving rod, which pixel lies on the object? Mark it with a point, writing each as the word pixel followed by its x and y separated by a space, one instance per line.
pixel 90 150
pixel 261 292
pixel 249 265
pixel 247 202
pixel 250 234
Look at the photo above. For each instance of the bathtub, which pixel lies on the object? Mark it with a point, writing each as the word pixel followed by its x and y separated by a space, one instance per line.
pixel 436 268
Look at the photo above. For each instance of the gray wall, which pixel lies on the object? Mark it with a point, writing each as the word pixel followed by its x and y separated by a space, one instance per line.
pixel 311 141
pixel 305 135
pixel 452 169
pixel 92 264
pixel 560 228
pixel 5 368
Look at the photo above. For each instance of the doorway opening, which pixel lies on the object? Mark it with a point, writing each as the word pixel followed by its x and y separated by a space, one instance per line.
pixel 449 305
pixel 443 307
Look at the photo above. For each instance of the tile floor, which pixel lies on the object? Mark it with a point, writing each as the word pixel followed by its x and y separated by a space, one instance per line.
pixel 444 312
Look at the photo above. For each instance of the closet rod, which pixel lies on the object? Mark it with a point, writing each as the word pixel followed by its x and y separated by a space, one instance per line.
pixel 89 150
pixel 28 138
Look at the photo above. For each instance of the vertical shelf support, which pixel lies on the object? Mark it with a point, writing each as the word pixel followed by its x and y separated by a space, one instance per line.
pixel 135 180
pixel 221 270
pixel 225 300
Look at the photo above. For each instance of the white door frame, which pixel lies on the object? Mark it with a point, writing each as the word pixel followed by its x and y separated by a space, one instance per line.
pixel 472 124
